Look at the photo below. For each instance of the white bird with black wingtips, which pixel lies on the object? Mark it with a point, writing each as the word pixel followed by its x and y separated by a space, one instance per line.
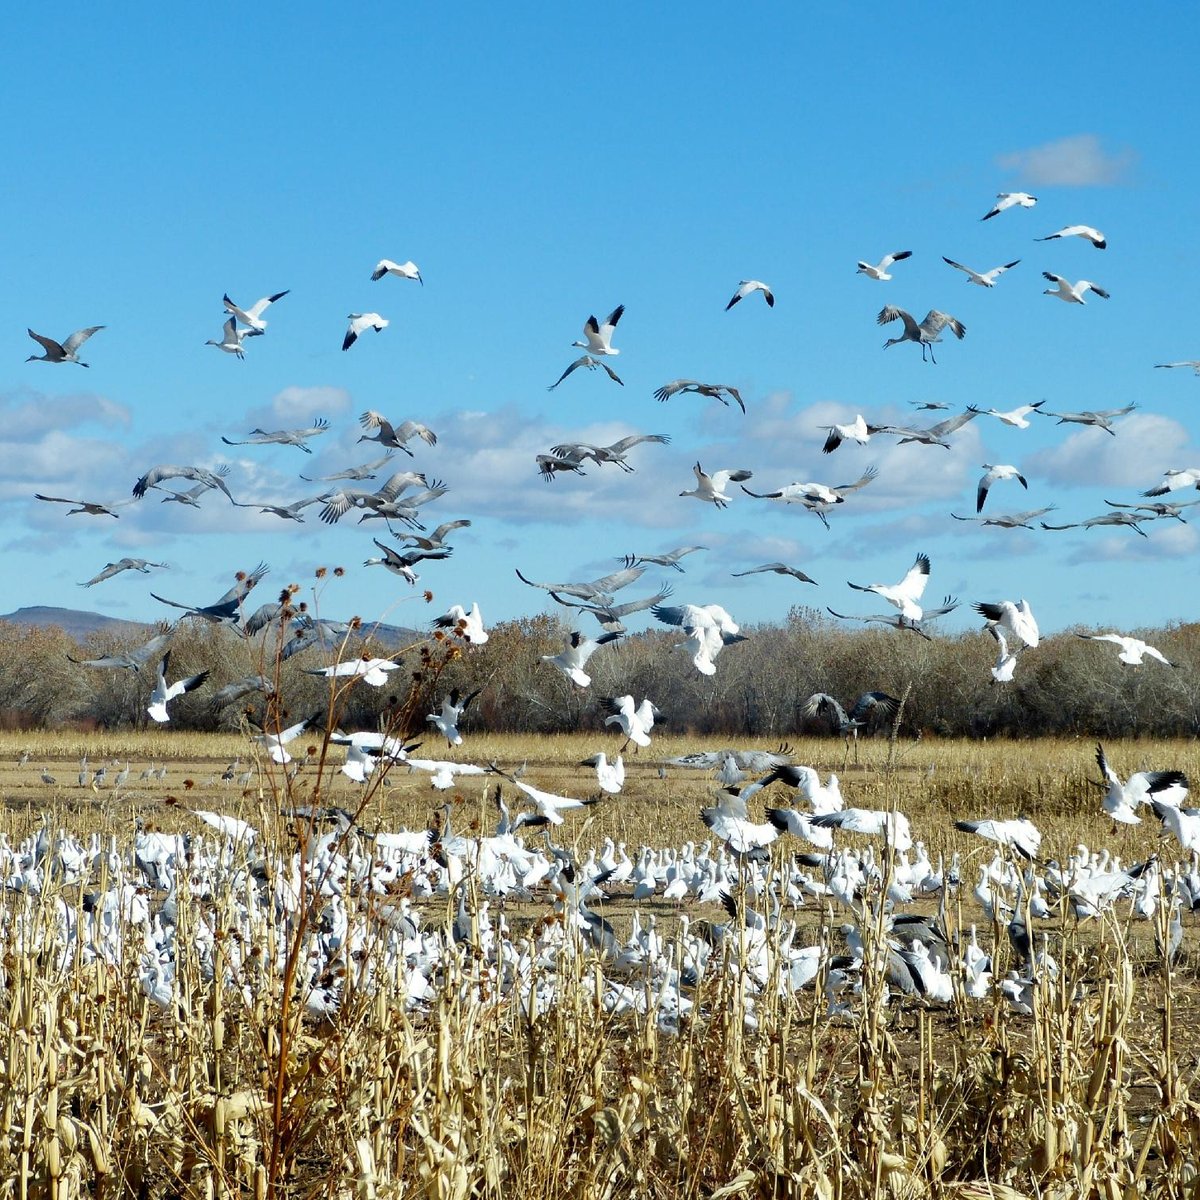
pixel 252 317
pixel 747 287
pixel 573 657
pixel 985 279
pixel 404 270
pixel 1007 200
pixel 1071 293
pixel 1016 617
pixel 1133 650
pixel 880 270
pixel 165 692
pixel 905 594
pixel 360 323
pixel 1081 231
pixel 446 721
pixel 994 472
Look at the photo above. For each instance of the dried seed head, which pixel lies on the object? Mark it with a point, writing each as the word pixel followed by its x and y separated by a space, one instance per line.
pixel 339 571
pixel 320 572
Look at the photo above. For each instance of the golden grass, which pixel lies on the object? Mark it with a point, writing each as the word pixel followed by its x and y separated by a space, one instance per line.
pixel 486 1093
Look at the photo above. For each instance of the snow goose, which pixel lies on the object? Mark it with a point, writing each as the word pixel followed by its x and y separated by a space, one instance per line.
pixel 252 317
pixel 1006 659
pixel 709 628
pixel 404 270
pixel 1006 200
pixel 276 743
pixel 586 360
pixel 985 279
pixel 1083 231
pixel 800 825
pixel 452 710
pixel 372 671
pixel 164 692
pixel 360 323
pixel 892 826
pixel 856 431
pixel 231 339
pixel 123 564
pixel 598 337
pixel 395 437
pixel 729 819
pixel 1017 618
pixel 463 624
pixel 905 594
pixel 926 334
pixel 62 352
pixel 549 806
pixel 1101 418
pixel 282 437
pixel 442 774
pixel 747 287
pixel 577 649
pixel 816 496
pixel 635 722
pixel 775 569
pixel 1184 823
pixel 711 488
pixel 1133 650
pixel 993 472
pixel 1071 293
pixel 1192 363
pixel 402 564
pixel 1176 480
pixel 610 776
pixel 1017 418
pixel 1019 833
pixel 880 270
pixel 820 797
pixel 714 391
pixel 1122 799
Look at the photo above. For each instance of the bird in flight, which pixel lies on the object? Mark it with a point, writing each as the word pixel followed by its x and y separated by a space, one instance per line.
pixel 714 391
pixel 405 270
pixel 599 337
pixel 252 317
pixel 1006 200
pixel 1083 231
pixel 62 352
pixel 880 269
pixel 905 594
pixel 122 564
pixel 985 279
pixel 747 287
pixel 925 334
pixel 360 323
pixel 1071 293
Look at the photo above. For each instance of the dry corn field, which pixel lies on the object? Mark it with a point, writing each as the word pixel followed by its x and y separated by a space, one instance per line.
pixel 302 1006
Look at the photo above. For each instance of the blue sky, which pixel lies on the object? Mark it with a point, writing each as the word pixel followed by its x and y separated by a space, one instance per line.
pixel 540 165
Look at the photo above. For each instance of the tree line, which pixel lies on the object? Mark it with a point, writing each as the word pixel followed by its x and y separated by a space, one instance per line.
pixel 1065 686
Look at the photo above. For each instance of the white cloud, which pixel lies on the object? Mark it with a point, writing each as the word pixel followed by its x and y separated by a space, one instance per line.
pixel 1077 161
pixel 26 413
pixel 1093 458
pixel 1166 539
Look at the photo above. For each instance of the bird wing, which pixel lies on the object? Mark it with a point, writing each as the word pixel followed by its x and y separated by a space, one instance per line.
pixel 78 338
pixel 890 313
pixel 861 482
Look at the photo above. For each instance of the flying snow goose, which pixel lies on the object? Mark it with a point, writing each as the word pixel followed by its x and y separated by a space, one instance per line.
pixel 880 270
pixel 372 671
pixel 1176 480
pixel 231 338
pixel 549 806
pixel 925 334
pixel 1133 650
pixel 708 626
pixel 714 391
pixel 1193 363
pixel 402 564
pixel 856 431
pixel 598 337
pixel 635 722
pixel 905 594
pixel 1006 659
pixel 711 488
pixel 360 323
pixel 1071 293
pixel 993 472
pixel 252 317
pixel 165 692
pixel 747 287
pixel 62 352
pixel 1006 200
pixel 276 742
pixel 985 279
pixel 1019 833
pixel 820 797
pixel 1018 417
pixel 123 564
pixel 446 720
pixel 1121 800
pixel 775 569
pixel 813 494
pixel 1084 231
pixel 892 826
pixel 586 360
pixel 281 437
pixel 729 819
pixel 1016 617
pixel 577 649
pixel 405 270
pixel 466 625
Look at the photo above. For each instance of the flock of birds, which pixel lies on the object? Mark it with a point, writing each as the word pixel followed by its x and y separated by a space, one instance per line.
pixel 349 865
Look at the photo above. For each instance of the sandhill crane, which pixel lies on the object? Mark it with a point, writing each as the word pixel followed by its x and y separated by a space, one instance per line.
pixel 231 338
pixel 122 564
pixel 210 479
pixel 985 279
pixel 549 465
pixel 1018 417
pixel 747 287
pixel 598 591
pixel 880 270
pixel 1130 520
pixel 586 360
pixel 711 488
pixel 281 437
pixel 340 503
pixel 870 706
pixel 856 431
pixel 610 615
pixel 165 692
pixel 190 497
pixel 1159 509
pixel 363 471
pixel 669 559
pixel 926 334
pixel 129 660
pixel 1133 650
pixel 1016 617
pixel 576 651
pixel 1071 293
pixel 405 270
pixel 1020 520
pixel 1006 200
pixel 252 317
pixel 360 323
pixel 905 594
pixel 395 437
pixel 91 508
pixel 616 453
pixel 62 352
pixel 1101 418
pixel 435 540
pixel 775 568
pixel 1083 231
pixel 714 391
pixel 1176 480
pixel 227 609
pixel 933 435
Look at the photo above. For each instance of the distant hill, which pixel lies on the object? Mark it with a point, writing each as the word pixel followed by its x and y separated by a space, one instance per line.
pixel 79 624
pixel 73 621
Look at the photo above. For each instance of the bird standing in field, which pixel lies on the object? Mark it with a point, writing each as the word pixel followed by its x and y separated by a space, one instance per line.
pixel 62 352
pixel 905 594
pixel 926 334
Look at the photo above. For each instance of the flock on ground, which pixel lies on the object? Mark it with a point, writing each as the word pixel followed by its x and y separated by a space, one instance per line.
pixel 349 865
